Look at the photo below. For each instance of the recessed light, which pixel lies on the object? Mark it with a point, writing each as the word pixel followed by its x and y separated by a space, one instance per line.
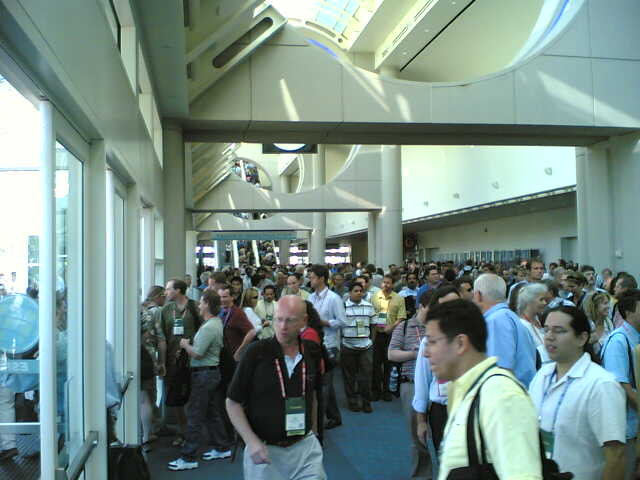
pixel 456 195
pixel 404 53
pixel 548 171
pixel 495 185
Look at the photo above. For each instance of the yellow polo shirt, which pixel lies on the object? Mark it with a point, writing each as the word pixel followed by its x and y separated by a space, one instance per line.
pixel 393 306
pixel 508 420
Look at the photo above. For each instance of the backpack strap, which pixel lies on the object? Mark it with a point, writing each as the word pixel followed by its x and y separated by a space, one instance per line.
pixel 474 416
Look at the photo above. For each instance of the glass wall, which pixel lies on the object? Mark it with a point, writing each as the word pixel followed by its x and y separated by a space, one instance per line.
pixel 69 339
pixel 21 218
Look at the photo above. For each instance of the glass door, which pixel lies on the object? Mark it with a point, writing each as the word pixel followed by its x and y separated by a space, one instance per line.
pixel 115 291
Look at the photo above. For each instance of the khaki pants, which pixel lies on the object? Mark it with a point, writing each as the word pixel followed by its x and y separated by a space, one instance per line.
pixel 7 415
pixel 300 461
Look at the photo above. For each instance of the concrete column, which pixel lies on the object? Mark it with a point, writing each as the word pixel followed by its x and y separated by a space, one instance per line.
pixel 607 177
pixel 318 241
pixel 220 254
pixel 235 255
pixel 285 248
pixel 389 224
pixel 174 195
pixel 371 238
pixel 191 261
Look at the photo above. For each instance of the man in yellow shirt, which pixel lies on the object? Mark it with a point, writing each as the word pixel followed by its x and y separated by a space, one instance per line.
pixel 390 311
pixel 456 348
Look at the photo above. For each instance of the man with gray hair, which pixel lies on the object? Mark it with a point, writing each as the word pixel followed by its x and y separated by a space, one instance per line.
pixel 508 339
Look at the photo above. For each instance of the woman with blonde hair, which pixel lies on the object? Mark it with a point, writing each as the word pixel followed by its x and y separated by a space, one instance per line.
pixel 596 305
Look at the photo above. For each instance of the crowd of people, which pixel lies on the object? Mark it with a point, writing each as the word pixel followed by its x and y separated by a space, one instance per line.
pixel 537 362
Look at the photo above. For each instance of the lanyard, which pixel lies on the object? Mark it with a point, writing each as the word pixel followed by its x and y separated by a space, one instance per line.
pixel 546 394
pixel 317 303
pixel 304 377
pixel 226 317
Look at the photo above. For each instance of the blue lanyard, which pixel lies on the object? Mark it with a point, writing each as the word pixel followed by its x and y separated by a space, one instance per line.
pixel 546 394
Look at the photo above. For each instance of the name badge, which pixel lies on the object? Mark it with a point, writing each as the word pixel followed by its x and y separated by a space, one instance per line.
pixel 382 319
pixel 268 318
pixel 178 327
pixel 361 329
pixel 295 419
pixel 548 440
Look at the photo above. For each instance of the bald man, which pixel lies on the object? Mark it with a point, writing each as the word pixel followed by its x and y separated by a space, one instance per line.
pixel 272 400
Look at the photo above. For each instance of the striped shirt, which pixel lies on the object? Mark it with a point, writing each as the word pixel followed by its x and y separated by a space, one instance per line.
pixel 408 340
pixel 352 336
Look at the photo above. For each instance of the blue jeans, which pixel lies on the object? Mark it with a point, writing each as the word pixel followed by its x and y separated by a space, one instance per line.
pixel 205 409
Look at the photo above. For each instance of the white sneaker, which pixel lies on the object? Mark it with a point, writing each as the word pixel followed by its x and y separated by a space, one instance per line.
pixel 214 454
pixel 181 464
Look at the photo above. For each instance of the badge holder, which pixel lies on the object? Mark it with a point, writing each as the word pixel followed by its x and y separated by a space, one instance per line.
pixel 548 441
pixel 361 329
pixel 295 418
pixel 382 319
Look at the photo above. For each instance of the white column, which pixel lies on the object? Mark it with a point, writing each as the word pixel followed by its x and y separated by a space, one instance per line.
pixel 174 203
pixel 235 255
pixel 318 241
pixel 47 296
pixel 256 251
pixel 95 307
pixel 371 238
pixel 130 409
pixel 389 225
pixel 608 175
pixel 593 206
pixel 220 253
pixel 191 261
pixel 285 248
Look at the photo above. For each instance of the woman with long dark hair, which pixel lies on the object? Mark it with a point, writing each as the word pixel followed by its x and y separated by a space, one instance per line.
pixel 581 406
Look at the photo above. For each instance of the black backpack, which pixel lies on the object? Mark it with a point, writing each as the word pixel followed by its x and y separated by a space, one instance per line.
pixel 482 470
pixel 127 462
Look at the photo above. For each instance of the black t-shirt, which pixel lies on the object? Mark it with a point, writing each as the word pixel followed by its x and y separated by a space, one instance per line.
pixel 256 386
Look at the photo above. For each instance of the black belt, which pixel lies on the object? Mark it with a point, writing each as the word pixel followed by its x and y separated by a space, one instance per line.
pixel 288 442
pixel 201 369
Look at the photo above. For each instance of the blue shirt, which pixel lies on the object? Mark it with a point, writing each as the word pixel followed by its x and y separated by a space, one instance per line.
pixel 615 359
pixel 510 341
pixel 426 386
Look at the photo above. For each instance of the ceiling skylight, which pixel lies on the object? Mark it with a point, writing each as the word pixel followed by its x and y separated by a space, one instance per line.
pixel 343 19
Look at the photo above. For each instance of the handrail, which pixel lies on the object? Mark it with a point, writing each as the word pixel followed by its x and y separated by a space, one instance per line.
pixel 127 382
pixel 77 466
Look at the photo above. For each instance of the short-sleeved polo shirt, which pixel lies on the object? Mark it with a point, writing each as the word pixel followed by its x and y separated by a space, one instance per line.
pixel 256 386
pixel 189 320
pixel 393 306
pixel 207 344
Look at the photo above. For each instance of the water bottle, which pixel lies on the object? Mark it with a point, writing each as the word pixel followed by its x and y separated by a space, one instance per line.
pixel 393 380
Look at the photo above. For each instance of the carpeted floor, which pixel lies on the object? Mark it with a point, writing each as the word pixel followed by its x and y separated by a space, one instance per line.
pixel 371 446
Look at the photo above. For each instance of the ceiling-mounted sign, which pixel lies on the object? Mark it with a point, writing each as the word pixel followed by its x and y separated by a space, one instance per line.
pixel 264 235
pixel 289 148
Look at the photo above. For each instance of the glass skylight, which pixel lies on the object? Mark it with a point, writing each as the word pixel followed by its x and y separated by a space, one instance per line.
pixel 334 15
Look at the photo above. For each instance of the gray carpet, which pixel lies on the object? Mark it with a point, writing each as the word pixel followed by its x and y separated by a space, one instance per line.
pixel 371 446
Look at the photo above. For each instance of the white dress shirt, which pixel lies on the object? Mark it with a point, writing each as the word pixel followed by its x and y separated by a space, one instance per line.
pixel 591 413
pixel 330 307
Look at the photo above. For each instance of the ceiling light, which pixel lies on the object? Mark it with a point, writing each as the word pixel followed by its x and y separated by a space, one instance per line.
pixel 456 195
pixel 495 185
pixel 548 171
pixel 290 147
